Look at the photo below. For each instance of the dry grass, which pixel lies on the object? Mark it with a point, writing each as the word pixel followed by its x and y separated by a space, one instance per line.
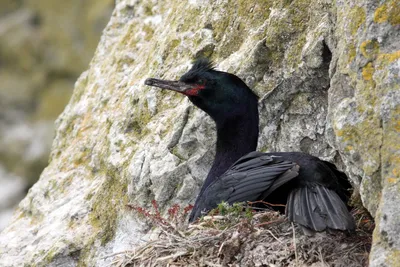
pixel 265 239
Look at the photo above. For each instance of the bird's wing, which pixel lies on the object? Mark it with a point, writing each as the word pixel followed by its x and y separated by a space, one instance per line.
pixel 253 177
pixel 318 208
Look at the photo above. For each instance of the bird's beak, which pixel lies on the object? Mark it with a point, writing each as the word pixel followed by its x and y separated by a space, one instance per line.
pixel 177 86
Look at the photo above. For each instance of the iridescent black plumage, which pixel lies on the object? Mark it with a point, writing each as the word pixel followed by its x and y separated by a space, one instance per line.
pixel 198 68
pixel 313 190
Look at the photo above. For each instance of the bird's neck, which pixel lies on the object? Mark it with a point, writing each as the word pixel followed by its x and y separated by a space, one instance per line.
pixel 235 138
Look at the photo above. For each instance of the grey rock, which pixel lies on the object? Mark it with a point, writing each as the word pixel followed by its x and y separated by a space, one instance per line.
pixel 328 80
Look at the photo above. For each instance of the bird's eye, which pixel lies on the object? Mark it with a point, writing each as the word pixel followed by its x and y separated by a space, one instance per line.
pixel 200 81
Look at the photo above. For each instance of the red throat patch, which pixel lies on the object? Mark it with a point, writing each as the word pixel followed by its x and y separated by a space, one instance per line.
pixel 194 91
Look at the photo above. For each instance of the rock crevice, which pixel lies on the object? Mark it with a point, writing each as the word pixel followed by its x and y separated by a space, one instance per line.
pixel 328 80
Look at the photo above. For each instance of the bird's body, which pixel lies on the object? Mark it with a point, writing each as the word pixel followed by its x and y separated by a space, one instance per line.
pixel 313 190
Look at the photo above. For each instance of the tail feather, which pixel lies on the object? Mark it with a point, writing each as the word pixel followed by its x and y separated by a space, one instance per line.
pixel 318 208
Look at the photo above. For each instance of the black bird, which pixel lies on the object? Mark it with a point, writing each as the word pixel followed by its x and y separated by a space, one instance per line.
pixel 314 191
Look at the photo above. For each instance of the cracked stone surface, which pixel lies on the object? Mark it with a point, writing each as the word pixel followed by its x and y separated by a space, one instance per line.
pixel 328 80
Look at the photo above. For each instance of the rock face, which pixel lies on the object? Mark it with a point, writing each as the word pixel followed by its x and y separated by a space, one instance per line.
pixel 43 49
pixel 328 80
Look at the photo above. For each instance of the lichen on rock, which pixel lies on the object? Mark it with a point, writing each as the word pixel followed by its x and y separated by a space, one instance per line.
pixel 327 75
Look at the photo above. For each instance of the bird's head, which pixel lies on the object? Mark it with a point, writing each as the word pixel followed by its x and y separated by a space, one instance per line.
pixel 220 94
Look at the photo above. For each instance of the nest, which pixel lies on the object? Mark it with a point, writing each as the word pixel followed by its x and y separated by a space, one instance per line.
pixel 263 239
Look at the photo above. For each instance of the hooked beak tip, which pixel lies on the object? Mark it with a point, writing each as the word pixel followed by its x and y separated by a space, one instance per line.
pixel 149 82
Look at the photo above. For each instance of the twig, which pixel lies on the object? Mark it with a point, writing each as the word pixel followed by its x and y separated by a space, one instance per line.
pixel 195 226
pixel 213 218
pixel 220 248
pixel 265 203
pixel 190 246
pixel 270 222
pixel 274 236
pixel 115 254
pixel 212 264
pixel 294 244
pixel 173 256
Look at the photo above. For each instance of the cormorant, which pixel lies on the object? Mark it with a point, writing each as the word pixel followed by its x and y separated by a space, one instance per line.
pixel 314 191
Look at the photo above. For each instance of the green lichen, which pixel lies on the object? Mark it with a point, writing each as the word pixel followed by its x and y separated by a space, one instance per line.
pixel 287 34
pixel 111 197
pixel 129 39
pixel 255 12
pixel 31 212
pixel 79 89
pixel 173 44
pixel 384 59
pixel 46 256
pixel 351 52
pixel 107 203
pixel 148 9
pixel 185 23
pixel 137 124
pixel 149 32
pixel 230 32
pixel 293 55
pixel 367 94
pixel 175 152
pixel 356 19
pixel 89 196
pixel 368 129
pixel 391 148
pixel 369 49
pixel 388 12
pixel 368 71
pixel 65 183
pixel 81 156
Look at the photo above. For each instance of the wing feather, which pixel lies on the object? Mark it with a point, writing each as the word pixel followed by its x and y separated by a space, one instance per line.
pixel 318 208
pixel 248 179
